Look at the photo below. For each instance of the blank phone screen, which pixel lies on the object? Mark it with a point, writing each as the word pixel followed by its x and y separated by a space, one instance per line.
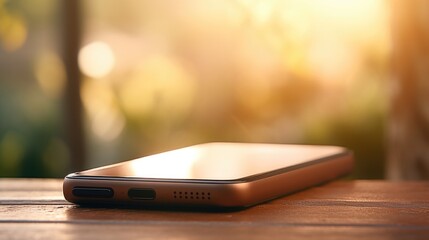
pixel 218 161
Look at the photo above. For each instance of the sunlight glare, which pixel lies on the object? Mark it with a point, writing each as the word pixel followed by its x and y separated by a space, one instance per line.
pixel 333 61
pixel 178 162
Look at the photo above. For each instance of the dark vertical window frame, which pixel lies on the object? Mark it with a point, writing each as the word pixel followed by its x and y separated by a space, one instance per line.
pixel 73 112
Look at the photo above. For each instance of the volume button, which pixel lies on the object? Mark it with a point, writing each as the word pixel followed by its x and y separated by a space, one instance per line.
pixel 92 192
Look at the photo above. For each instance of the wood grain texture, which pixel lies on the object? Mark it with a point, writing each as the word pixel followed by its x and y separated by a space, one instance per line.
pixel 35 209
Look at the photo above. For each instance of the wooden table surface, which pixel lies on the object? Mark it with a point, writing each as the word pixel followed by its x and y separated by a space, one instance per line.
pixel 36 209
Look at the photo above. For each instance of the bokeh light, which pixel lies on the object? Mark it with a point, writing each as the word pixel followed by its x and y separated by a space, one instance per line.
pixel 50 74
pixel 159 86
pixel 96 59
pixel 99 101
pixel 13 30
pixel 11 152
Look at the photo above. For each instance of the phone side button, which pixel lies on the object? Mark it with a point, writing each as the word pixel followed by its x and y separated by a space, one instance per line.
pixel 92 192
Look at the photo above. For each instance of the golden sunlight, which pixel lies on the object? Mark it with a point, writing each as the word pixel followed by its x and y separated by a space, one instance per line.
pixel 158 85
pixel 13 31
pixel 50 74
pixel 107 122
pixel 96 59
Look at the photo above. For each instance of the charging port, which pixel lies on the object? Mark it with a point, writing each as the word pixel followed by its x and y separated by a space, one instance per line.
pixel 142 193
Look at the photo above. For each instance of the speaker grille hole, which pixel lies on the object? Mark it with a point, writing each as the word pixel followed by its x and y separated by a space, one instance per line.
pixel 188 195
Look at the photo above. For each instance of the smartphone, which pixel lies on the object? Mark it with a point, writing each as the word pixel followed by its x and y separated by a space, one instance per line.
pixel 223 175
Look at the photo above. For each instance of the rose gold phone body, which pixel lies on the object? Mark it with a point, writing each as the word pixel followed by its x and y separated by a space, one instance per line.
pixel 210 175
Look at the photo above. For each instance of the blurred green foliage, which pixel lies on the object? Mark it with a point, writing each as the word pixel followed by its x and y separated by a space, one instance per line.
pixel 31 138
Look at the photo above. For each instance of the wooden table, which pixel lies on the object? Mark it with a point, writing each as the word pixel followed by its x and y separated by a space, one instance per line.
pixel 36 209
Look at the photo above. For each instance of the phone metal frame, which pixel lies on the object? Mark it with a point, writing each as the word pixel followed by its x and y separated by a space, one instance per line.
pixel 237 193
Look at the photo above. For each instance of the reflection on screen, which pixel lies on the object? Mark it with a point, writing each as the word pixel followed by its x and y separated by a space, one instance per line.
pixel 217 161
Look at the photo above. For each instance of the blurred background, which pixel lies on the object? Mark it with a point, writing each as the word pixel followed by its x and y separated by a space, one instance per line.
pixel 88 83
